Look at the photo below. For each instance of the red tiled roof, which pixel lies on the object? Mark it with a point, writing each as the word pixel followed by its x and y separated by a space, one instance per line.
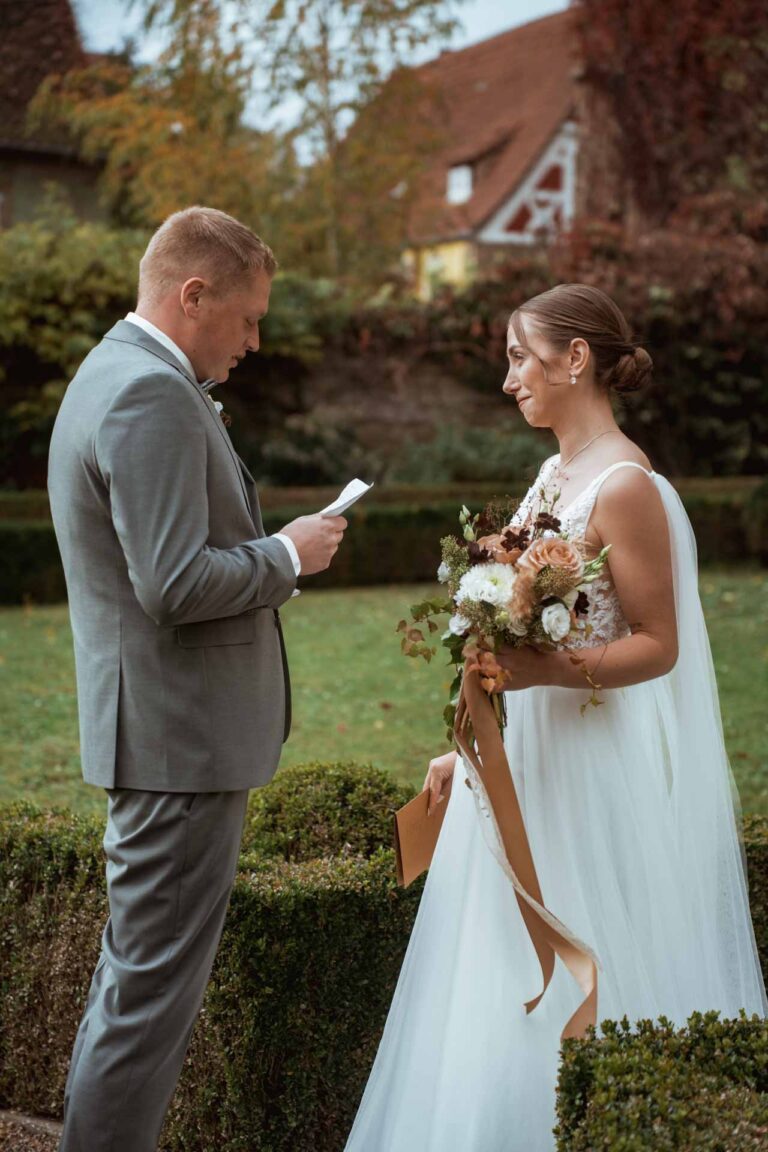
pixel 37 38
pixel 500 101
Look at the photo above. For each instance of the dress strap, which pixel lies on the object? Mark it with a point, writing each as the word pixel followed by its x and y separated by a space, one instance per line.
pixel 599 480
pixel 581 507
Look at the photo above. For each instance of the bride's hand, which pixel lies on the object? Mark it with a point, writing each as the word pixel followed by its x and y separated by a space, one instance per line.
pixel 439 777
pixel 526 667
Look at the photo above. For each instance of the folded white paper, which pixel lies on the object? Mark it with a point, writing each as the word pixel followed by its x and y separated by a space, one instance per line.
pixel 353 491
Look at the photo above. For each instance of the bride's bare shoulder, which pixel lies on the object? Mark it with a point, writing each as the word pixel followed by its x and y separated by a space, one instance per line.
pixel 626 449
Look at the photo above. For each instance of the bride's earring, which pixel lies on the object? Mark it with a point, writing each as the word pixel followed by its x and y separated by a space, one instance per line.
pixel 572 378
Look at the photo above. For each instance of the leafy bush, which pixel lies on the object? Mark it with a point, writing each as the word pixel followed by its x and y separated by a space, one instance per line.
pixel 472 455
pixel 292 1016
pixel 302 984
pixel 657 1088
pixel 64 283
pixel 307 451
pixel 756 521
pixel 31 567
pixel 324 810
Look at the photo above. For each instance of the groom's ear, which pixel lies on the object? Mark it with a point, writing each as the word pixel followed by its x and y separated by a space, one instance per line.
pixel 190 296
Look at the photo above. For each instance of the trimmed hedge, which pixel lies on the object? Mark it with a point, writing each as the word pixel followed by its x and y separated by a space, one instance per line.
pixel 399 543
pixel 33 503
pixel 292 1017
pixel 31 566
pixel 656 1089
pixel 303 980
pixel 318 810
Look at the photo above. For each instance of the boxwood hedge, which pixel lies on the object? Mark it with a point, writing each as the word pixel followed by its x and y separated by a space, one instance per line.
pixel 389 541
pixel 655 1088
pixel 312 946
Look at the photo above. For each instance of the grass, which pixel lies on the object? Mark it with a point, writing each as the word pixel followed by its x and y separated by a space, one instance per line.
pixel 355 696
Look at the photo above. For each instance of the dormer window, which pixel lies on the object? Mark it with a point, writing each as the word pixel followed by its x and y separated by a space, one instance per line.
pixel 459 184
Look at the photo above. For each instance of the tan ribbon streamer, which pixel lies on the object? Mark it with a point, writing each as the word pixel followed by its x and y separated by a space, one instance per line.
pixel 548 934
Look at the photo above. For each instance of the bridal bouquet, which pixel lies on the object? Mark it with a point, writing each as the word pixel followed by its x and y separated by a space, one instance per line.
pixel 507 587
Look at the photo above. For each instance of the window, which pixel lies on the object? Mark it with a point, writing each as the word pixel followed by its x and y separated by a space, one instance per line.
pixel 459 186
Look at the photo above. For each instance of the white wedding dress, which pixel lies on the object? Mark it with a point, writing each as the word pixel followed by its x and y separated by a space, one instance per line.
pixel 633 820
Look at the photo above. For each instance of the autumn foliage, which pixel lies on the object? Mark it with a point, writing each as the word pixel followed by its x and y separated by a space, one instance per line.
pixel 687 84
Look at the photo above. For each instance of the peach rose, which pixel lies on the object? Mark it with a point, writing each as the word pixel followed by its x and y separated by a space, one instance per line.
pixel 554 553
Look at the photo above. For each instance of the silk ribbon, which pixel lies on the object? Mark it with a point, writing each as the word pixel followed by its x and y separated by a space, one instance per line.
pixel 480 743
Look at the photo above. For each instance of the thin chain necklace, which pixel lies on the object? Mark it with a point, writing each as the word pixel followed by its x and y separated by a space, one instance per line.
pixel 564 463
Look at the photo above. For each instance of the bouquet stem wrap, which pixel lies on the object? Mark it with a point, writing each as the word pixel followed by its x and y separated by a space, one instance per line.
pixel 479 741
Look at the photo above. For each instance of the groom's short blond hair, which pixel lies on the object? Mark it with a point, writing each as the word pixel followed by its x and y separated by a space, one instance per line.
pixel 201 242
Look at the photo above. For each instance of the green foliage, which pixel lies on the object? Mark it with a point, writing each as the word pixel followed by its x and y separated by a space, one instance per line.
pixel 300 989
pixel 455 454
pixel 316 810
pixel 64 283
pixel 303 980
pixel 31 568
pixel 657 1088
pixel 307 451
pixel 756 522
pixel 386 543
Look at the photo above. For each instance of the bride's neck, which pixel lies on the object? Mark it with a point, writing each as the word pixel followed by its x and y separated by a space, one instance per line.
pixel 575 428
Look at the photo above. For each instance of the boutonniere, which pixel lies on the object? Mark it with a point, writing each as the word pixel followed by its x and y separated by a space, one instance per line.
pixel 225 417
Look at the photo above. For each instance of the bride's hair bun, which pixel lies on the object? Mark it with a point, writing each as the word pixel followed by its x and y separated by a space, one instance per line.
pixel 631 371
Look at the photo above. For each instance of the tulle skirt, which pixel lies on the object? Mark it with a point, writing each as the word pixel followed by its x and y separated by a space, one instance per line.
pixel 461 1067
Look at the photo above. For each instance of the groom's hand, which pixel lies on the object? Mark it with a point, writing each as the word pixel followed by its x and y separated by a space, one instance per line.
pixel 317 540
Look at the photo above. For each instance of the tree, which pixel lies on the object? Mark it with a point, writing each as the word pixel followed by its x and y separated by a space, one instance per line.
pixel 172 133
pixel 330 60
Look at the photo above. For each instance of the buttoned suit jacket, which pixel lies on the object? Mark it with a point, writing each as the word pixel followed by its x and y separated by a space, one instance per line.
pixel 173 588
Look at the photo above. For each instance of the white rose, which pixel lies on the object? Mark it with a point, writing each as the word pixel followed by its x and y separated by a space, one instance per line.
pixel 443 573
pixel 556 621
pixel 457 625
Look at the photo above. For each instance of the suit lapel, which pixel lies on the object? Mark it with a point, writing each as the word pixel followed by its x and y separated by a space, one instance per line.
pixel 253 498
pixel 127 333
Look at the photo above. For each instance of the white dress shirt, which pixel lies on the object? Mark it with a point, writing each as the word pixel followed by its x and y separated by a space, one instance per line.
pixel 158 334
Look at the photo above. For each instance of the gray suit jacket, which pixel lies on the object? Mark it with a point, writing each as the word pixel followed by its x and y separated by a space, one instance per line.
pixel 173 588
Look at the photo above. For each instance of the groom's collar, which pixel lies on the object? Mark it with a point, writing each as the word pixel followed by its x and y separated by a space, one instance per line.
pixel 163 338
pixel 127 332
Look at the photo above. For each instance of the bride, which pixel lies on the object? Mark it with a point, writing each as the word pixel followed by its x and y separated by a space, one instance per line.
pixel 630 809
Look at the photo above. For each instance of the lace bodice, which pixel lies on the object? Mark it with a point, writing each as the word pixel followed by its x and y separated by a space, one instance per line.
pixel 604 621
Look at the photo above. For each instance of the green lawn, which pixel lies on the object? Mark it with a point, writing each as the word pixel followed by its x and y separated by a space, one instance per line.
pixel 354 694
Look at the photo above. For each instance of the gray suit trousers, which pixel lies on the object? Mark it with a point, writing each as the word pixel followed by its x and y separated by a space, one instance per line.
pixel 171 863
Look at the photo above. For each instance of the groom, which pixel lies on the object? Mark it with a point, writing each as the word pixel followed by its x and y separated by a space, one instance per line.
pixel 183 690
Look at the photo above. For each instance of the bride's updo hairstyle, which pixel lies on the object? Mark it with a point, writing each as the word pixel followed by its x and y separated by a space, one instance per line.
pixel 580 311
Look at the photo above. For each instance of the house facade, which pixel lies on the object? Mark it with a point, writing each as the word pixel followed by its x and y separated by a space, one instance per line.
pixel 506 175
pixel 38 40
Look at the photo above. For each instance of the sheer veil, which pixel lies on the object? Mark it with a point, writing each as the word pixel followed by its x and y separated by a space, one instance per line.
pixel 705 802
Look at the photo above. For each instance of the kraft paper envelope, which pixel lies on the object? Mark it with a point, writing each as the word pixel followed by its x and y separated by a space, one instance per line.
pixel 416 835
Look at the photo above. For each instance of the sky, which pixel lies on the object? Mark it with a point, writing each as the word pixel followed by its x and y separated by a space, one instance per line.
pixel 104 24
